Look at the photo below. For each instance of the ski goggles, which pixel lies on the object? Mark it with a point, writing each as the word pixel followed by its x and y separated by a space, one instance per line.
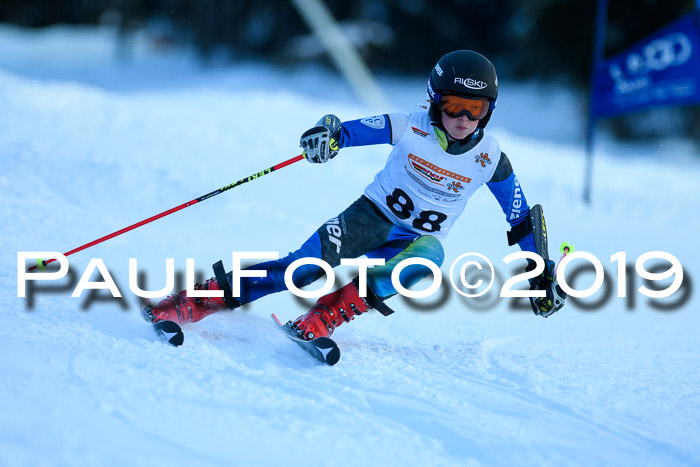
pixel 475 108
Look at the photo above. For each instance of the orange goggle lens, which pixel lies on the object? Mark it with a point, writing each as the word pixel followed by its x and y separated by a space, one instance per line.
pixel 456 106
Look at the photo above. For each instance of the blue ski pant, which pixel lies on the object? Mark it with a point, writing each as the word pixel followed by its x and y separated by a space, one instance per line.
pixel 359 230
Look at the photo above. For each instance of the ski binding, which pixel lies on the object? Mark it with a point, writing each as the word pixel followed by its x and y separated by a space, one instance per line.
pixel 169 331
pixel 324 349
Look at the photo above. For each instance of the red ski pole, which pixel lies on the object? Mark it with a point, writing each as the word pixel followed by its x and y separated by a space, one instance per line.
pixel 42 263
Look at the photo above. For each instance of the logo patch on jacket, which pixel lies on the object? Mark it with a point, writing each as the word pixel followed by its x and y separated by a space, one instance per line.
pixel 432 172
pixel 455 186
pixel 483 159
pixel 377 122
pixel 419 132
pixel 425 172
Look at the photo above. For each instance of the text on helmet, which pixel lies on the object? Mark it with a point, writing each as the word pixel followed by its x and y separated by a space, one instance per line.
pixel 471 83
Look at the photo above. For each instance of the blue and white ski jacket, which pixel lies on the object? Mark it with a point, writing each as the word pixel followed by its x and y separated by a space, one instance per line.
pixel 423 188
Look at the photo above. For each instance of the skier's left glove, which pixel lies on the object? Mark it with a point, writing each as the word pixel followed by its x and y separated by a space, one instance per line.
pixel 554 299
pixel 320 143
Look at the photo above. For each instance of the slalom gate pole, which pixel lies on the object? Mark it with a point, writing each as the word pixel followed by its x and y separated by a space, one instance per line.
pixel 42 263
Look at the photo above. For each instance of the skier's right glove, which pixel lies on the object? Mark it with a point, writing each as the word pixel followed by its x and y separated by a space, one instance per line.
pixel 554 299
pixel 320 143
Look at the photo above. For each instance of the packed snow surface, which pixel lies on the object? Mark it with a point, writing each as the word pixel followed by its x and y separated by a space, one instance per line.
pixel 89 145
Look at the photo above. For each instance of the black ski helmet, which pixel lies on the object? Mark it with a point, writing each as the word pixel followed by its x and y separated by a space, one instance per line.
pixel 463 73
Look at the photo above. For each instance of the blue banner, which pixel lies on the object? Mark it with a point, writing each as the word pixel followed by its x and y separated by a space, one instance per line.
pixel 663 69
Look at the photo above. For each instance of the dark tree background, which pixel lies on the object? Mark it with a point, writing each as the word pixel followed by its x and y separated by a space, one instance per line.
pixel 547 40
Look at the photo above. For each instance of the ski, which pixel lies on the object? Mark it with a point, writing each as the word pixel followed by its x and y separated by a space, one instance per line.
pixel 324 349
pixel 169 331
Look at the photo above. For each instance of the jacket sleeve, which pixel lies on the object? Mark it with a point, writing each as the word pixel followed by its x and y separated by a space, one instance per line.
pixel 507 190
pixel 380 129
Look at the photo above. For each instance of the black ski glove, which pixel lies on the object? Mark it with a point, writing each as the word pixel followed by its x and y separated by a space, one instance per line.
pixel 554 300
pixel 320 143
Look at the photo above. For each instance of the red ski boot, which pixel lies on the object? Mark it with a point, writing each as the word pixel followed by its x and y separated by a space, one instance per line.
pixel 330 312
pixel 183 309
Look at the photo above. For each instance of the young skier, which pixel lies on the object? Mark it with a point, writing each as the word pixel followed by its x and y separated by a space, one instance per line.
pixel 441 155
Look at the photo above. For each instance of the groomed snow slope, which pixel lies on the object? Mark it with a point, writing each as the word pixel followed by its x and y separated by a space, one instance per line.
pixel 83 381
